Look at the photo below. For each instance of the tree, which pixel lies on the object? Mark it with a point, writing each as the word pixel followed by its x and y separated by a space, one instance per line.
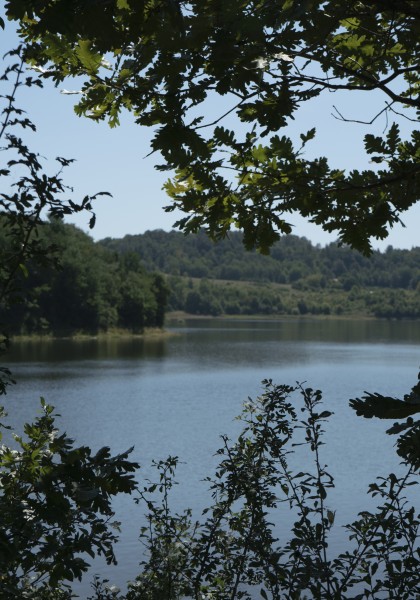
pixel 55 498
pixel 167 60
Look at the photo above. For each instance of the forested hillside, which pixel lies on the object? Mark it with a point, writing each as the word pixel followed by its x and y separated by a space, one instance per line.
pixel 291 259
pixel 296 278
pixel 129 283
pixel 92 290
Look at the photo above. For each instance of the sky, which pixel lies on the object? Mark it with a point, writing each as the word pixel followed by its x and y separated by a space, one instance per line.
pixel 114 160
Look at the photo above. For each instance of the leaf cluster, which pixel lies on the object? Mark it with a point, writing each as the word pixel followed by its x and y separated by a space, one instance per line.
pixel 56 505
pixel 166 61
pixel 384 407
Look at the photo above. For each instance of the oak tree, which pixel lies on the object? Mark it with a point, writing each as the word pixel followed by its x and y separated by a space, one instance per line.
pixel 168 61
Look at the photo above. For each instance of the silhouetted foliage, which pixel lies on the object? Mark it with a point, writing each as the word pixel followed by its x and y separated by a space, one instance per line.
pixel 55 506
pixel 242 167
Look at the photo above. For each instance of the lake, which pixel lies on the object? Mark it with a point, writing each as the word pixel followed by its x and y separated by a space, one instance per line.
pixel 175 395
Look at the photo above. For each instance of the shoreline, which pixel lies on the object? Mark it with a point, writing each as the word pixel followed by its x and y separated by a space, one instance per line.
pixel 183 316
pixel 148 333
pixel 178 317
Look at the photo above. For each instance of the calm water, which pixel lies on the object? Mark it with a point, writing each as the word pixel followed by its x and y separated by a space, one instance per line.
pixel 176 395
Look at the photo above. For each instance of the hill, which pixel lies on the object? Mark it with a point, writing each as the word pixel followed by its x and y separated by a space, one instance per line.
pixel 296 278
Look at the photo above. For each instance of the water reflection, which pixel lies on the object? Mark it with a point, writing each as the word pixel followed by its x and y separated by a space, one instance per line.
pixel 190 335
pixel 307 329
pixel 61 350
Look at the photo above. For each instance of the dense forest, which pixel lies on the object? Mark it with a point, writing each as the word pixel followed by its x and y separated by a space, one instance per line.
pixel 89 289
pixel 130 283
pixel 295 278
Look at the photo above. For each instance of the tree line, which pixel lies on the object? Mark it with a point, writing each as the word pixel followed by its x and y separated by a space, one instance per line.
pixel 87 289
pixel 129 283
pixel 296 278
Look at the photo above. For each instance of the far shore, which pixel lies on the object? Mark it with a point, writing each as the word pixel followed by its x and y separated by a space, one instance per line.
pixel 148 333
pixel 179 316
pixel 175 318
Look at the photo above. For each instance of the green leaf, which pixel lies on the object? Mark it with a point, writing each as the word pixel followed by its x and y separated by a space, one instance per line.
pixel 24 270
pixel 259 153
pixel 393 138
pixel 305 137
pixel 330 516
pixel 325 414
pixel 374 144
pixel 383 407
pixel 322 491
pixel 90 60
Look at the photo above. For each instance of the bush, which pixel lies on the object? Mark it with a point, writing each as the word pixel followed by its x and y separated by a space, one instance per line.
pixel 233 552
pixel 55 508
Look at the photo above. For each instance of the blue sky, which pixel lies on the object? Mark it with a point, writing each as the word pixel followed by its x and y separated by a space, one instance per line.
pixel 114 159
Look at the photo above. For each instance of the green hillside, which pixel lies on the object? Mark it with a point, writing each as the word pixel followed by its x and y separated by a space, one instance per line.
pixel 130 283
pixel 296 278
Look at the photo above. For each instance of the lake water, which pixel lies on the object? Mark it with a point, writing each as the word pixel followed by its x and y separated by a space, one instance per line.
pixel 175 395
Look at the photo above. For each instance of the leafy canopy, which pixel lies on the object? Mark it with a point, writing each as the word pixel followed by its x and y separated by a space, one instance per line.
pixel 167 61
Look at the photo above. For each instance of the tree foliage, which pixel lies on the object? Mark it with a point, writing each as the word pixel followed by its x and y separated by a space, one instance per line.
pixel 383 407
pixel 234 552
pixel 52 493
pixel 291 260
pixel 55 506
pixel 168 61
pixel 90 289
pixel 55 497
pixel 296 278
